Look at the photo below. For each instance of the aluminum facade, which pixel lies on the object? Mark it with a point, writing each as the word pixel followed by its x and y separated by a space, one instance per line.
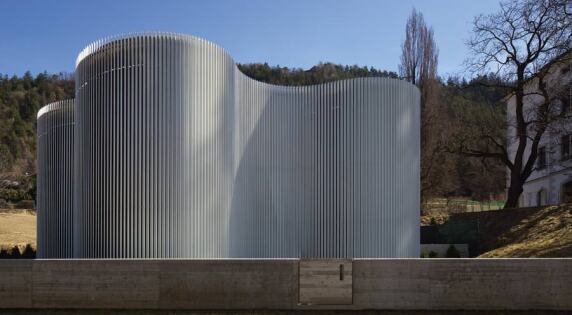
pixel 55 180
pixel 179 154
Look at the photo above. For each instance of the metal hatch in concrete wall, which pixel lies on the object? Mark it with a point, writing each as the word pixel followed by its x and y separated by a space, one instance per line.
pixel 325 282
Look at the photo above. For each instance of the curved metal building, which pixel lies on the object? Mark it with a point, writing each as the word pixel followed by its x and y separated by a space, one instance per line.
pixel 179 154
pixel 55 180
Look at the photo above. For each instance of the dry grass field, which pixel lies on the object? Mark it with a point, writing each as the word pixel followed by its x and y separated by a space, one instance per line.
pixel 17 227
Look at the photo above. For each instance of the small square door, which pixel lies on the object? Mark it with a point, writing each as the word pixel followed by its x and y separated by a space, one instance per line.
pixel 325 282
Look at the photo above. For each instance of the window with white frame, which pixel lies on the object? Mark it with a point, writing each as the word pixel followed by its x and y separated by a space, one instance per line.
pixel 566 147
pixel 541 158
pixel 530 202
pixel 566 104
pixel 541 197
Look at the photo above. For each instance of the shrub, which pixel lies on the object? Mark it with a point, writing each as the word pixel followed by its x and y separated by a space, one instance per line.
pixel 25 204
pixel 13 195
pixel 15 253
pixel 433 254
pixel 29 252
pixel 4 253
pixel 452 252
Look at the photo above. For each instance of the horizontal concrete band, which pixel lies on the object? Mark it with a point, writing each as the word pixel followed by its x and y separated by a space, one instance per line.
pixel 273 284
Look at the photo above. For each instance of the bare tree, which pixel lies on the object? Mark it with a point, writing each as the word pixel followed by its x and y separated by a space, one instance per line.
pixel 419 52
pixel 419 58
pixel 520 44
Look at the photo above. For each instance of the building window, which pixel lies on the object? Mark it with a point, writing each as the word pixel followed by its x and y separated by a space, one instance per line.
pixel 566 104
pixel 565 147
pixel 541 198
pixel 566 194
pixel 541 158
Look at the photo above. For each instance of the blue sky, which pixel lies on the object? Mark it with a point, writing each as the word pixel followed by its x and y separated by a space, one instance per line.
pixel 47 35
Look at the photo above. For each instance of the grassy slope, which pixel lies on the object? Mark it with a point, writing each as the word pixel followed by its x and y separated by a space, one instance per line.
pixel 540 232
pixel 525 232
pixel 17 227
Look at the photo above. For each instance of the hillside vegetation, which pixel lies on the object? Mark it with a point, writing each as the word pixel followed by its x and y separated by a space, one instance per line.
pixel 20 99
pixel 321 73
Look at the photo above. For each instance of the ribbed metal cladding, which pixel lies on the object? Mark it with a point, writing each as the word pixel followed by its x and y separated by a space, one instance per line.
pixel 326 171
pixel 55 180
pixel 178 154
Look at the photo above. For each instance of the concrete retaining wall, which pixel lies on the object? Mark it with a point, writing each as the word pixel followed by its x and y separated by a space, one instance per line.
pixel 273 284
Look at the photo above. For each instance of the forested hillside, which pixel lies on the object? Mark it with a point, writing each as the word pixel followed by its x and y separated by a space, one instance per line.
pixel 321 73
pixel 21 97
pixel 471 105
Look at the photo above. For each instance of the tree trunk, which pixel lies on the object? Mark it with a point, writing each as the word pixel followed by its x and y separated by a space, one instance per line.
pixel 514 192
pixel 516 181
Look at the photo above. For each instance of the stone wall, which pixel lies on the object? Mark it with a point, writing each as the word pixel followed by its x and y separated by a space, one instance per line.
pixel 427 284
